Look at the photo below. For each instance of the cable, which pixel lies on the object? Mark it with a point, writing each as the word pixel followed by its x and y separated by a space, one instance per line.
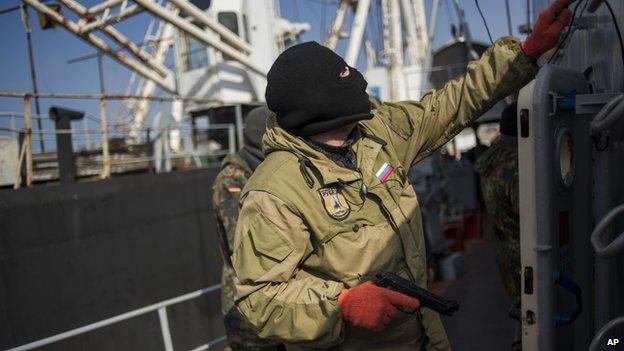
pixel 9 9
pixel 324 30
pixel 509 26
pixel 617 29
pixel 567 33
pixel 613 19
pixel 528 13
pixel 484 21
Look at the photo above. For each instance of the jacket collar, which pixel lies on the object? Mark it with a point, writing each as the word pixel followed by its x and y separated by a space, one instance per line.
pixel 324 169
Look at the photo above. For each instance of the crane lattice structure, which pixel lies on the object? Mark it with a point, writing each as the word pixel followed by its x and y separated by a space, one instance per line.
pixel 97 25
pixel 98 20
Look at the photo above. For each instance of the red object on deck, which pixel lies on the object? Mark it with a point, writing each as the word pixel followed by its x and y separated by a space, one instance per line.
pixel 472 225
pixel 454 230
pixel 467 229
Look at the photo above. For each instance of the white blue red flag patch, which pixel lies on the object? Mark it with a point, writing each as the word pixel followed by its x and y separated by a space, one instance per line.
pixel 384 172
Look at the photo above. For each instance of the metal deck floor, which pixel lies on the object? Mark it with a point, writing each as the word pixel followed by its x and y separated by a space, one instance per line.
pixel 481 323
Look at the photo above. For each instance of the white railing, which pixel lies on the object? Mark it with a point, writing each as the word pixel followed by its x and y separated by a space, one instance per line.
pixel 161 307
pixel 96 130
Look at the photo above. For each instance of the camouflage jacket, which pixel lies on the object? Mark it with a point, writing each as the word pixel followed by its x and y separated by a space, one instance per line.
pixel 225 196
pixel 498 167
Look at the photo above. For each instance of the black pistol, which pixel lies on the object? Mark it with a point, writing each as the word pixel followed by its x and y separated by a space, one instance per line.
pixel 427 299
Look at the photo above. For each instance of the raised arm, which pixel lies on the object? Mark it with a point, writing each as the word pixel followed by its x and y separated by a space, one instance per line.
pixel 417 128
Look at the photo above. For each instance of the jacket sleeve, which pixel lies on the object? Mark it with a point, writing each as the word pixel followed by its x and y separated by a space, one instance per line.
pixel 417 128
pixel 280 299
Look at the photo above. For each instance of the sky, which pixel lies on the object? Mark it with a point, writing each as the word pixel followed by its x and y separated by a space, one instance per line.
pixel 53 48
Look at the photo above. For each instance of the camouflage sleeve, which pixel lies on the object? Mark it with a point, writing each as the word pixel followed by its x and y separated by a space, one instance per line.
pixel 227 207
pixel 225 195
pixel 417 128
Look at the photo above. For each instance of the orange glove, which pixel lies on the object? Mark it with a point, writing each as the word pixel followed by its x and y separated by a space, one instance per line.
pixel 371 307
pixel 547 29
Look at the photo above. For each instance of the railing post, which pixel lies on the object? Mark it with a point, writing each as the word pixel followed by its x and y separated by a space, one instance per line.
pixel 106 166
pixel 85 128
pixel 28 140
pixel 164 328
pixel 18 178
pixel 238 114
pixel 231 139
pixel 167 149
pixel 12 119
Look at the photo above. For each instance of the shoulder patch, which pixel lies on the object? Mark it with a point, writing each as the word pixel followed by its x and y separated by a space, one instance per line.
pixel 335 203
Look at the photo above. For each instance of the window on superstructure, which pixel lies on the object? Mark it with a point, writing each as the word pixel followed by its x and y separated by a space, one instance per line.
pixel 202 4
pixel 246 29
pixel 195 55
pixel 229 20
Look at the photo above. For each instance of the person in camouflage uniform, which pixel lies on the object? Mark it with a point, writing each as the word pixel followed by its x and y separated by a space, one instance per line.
pixel 498 168
pixel 235 171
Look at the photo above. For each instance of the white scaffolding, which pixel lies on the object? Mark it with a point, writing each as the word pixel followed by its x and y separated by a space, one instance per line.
pixel 99 19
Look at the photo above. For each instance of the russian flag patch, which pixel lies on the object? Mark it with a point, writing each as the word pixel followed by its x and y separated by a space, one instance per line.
pixel 384 172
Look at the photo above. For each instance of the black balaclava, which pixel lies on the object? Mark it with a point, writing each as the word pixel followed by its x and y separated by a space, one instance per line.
pixel 312 90
pixel 508 124
pixel 253 130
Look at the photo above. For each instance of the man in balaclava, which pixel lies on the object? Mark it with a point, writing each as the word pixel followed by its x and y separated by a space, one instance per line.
pixel 331 206
pixel 235 171
pixel 498 168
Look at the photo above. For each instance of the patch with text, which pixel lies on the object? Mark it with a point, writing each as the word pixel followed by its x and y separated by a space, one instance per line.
pixel 335 203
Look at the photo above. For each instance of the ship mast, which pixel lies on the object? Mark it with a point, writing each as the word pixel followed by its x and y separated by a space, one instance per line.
pixel 392 12
pixel 403 74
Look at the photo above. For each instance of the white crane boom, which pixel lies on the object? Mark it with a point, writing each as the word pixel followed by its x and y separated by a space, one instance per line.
pixel 336 29
pixel 357 31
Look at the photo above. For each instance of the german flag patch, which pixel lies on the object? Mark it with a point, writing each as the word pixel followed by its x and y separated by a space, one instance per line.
pixel 234 188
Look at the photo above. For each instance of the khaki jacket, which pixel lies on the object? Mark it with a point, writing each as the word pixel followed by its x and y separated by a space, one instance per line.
pixel 308 228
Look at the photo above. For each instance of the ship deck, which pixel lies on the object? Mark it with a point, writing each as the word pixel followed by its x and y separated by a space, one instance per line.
pixel 481 323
